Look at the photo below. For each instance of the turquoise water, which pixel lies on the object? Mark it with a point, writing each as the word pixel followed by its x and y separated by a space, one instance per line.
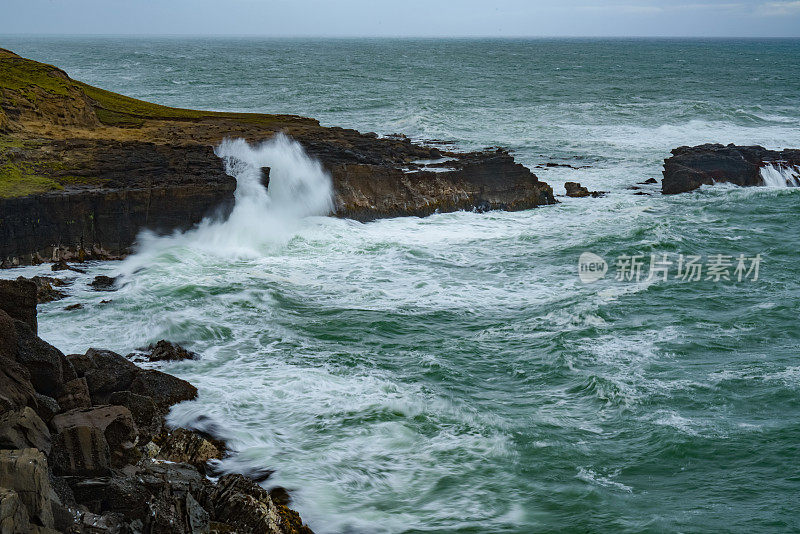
pixel 452 373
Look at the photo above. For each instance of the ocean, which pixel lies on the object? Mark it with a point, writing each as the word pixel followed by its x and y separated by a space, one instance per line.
pixel 454 373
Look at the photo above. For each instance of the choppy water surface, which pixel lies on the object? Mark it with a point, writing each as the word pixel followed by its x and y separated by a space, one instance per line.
pixel 452 373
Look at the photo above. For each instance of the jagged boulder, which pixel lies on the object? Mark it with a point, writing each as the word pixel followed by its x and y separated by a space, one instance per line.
pixel 13 514
pixel 167 351
pixel 103 283
pixel 48 367
pixel 245 506
pixel 25 472
pixel 164 496
pixel 75 395
pixel 184 446
pixel 107 372
pixel 146 414
pixel 691 167
pixel 47 407
pixel 114 423
pixel 24 429
pixel 576 190
pixel 165 390
pixel 18 299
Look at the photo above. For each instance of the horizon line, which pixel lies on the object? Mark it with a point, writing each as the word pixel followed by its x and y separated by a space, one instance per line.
pixel 396 37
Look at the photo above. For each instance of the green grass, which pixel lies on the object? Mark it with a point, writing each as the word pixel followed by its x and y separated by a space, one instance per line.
pixel 16 182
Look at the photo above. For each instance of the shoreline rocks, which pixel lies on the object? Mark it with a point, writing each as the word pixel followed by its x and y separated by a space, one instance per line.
pixel 691 167
pixel 84 448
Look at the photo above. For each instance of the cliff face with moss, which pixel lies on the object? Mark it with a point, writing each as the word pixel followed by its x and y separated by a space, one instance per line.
pixel 83 170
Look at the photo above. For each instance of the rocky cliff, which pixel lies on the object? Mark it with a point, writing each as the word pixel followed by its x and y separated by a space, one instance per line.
pixel 84 447
pixel 83 170
pixel 690 167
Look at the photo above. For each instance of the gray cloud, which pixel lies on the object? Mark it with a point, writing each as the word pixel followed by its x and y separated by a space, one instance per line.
pixel 501 18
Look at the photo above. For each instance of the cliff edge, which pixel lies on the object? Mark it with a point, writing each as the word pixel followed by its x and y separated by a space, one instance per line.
pixel 83 170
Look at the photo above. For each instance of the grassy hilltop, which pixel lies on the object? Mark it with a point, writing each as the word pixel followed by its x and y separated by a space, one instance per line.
pixel 40 104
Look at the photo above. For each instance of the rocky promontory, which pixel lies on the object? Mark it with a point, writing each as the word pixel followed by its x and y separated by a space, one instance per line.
pixel 691 167
pixel 83 170
pixel 84 447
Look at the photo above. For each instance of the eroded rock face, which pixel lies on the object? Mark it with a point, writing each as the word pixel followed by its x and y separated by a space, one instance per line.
pixel 691 167
pixel 247 507
pixel 167 177
pixel 116 425
pixel 99 476
pixel 13 514
pixel 24 429
pixel 18 299
pixel 48 367
pixel 25 472
pixel 184 446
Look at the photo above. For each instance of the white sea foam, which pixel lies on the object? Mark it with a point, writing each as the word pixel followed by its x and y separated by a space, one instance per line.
pixel 261 218
pixel 780 175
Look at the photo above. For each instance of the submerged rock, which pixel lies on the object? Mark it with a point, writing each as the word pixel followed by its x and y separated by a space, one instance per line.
pixel 103 283
pixel 576 190
pixel 167 351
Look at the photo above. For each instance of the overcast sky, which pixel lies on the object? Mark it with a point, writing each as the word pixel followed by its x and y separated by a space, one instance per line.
pixel 433 18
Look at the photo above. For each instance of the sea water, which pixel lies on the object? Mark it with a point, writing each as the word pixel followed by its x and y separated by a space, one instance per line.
pixel 454 373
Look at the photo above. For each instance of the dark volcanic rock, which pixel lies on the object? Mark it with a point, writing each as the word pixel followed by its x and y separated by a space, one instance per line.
pixel 48 367
pixel 164 389
pixel 167 351
pixel 24 429
pixel 103 283
pixel 107 372
pixel 184 446
pixel 118 430
pixel 247 507
pixel 146 414
pixel 690 167
pixel 25 472
pixel 18 299
pixel 75 395
pixel 13 514
pixel 45 285
pixel 576 190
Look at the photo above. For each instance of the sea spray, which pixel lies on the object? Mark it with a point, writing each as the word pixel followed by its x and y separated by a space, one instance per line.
pixel 262 217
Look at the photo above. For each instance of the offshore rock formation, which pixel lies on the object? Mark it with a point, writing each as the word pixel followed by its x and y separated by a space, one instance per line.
pixel 84 448
pixel 83 170
pixel 691 167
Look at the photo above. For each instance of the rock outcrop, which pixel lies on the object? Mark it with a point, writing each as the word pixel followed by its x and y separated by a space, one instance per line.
pixel 576 190
pixel 99 459
pixel 691 167
pixel 84 170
